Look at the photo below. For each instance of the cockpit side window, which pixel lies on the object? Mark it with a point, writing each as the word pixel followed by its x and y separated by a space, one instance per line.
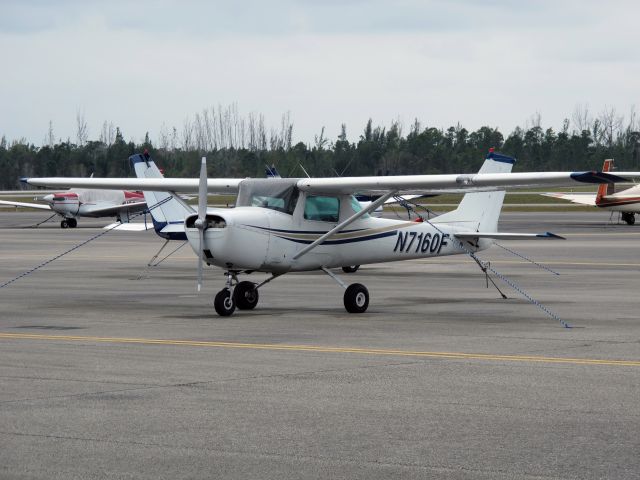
pixel 356 206
pixel 324 209
pixel 274 194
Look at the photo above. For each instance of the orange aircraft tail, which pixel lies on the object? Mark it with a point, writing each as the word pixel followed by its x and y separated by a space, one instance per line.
pixel 605 188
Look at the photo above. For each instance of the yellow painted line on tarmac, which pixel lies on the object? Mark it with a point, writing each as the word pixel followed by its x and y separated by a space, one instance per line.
pixel 544 262
pixel 321 349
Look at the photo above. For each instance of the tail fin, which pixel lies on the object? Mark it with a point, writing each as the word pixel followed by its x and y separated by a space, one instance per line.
pixel 167 211
pixel 271 172
pixel 606 188
pixel 479 211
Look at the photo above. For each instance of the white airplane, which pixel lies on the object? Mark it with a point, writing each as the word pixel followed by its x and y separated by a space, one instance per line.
pixel 80 202
pixel 625 201
pixel 291 225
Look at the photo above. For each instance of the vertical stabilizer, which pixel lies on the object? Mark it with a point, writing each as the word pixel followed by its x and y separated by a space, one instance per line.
pixel 168 212
pixel 606 188
pixel 479 211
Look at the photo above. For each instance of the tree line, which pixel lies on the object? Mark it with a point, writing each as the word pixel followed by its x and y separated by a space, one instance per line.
pixel 241 147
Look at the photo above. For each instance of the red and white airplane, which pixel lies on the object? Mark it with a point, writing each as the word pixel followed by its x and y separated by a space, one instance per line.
pixel 625 201
pixel 79 202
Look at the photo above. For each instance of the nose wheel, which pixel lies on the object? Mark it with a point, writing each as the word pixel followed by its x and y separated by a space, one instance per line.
pixel 69 223
pixel 243 295
pixel 224 303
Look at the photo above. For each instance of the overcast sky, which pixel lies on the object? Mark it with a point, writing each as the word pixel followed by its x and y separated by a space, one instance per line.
pixel 144 63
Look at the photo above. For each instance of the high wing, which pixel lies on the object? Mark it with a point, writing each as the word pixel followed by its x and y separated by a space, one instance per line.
pixel 402 184
pixel 437 184
pixel 405 184
pixel 581 198
pixel 39 206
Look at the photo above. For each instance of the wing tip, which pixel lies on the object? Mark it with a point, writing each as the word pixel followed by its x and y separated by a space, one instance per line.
pixel 551 235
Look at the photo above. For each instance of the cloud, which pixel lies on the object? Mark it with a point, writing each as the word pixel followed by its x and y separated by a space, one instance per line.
pixel 142 64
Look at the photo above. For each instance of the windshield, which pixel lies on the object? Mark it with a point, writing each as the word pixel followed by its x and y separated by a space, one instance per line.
pixel 275 194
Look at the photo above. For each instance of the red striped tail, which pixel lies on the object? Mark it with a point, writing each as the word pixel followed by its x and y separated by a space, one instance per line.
pixel 606 188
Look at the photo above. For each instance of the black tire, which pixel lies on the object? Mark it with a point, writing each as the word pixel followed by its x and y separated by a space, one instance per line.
pixel 64 224
pixel 246 296
pixel 356 298
pixel 224 303
pixel 631 219
pixel 352 269
pixel 72 222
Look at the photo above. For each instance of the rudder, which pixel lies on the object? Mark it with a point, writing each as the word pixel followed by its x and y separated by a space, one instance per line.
pixel 480 211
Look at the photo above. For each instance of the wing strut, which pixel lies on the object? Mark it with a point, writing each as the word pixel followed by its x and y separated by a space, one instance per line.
pixel 370 208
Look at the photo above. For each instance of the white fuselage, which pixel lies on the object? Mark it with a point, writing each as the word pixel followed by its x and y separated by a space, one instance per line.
pixel 624 201
pixel 263 239
pixel 89 203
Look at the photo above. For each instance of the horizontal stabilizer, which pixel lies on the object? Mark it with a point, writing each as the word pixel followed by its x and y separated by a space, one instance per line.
pixel 580 198
pixel 129 227
pixel 39 206
pixel 173 228
pixel 508 236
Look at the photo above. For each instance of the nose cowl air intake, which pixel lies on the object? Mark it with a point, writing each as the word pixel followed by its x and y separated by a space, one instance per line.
pixel 211 221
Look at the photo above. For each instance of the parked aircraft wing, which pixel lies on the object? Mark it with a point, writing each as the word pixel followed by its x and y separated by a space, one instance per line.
pixel 581 198
pixel 39 206
pixel 182 185
pixel 509 236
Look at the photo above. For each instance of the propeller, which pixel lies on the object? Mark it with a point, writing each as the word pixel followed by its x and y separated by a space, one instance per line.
pixel 202 216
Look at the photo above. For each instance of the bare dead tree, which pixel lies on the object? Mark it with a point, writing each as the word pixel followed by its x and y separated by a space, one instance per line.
pixel 108 133
pixel 533 121
pixel 581 117
pixel 187 135
pixel 286 131
pixel 416 127
pixel 82 130
pixel 633 125
pixel 262 134
pixel 253 133
pixel 174 139
pixel 50 139
pixel 163 137
pixel 320 141
pixel 611 124
pixel 198 132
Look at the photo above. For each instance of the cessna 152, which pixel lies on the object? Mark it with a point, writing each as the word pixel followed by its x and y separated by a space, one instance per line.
pixel 88 203
pixel 291 225
pixel 625 201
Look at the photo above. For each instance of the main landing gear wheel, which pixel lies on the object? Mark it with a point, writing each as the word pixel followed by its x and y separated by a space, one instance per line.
pixel 352 269
pixel 64 223
pixel 72 222
pixel 356 298
pixel 224 303
pixel 246 295
pixel 628 217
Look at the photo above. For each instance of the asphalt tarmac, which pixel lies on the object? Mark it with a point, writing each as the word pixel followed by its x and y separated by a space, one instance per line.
pixel 104 375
